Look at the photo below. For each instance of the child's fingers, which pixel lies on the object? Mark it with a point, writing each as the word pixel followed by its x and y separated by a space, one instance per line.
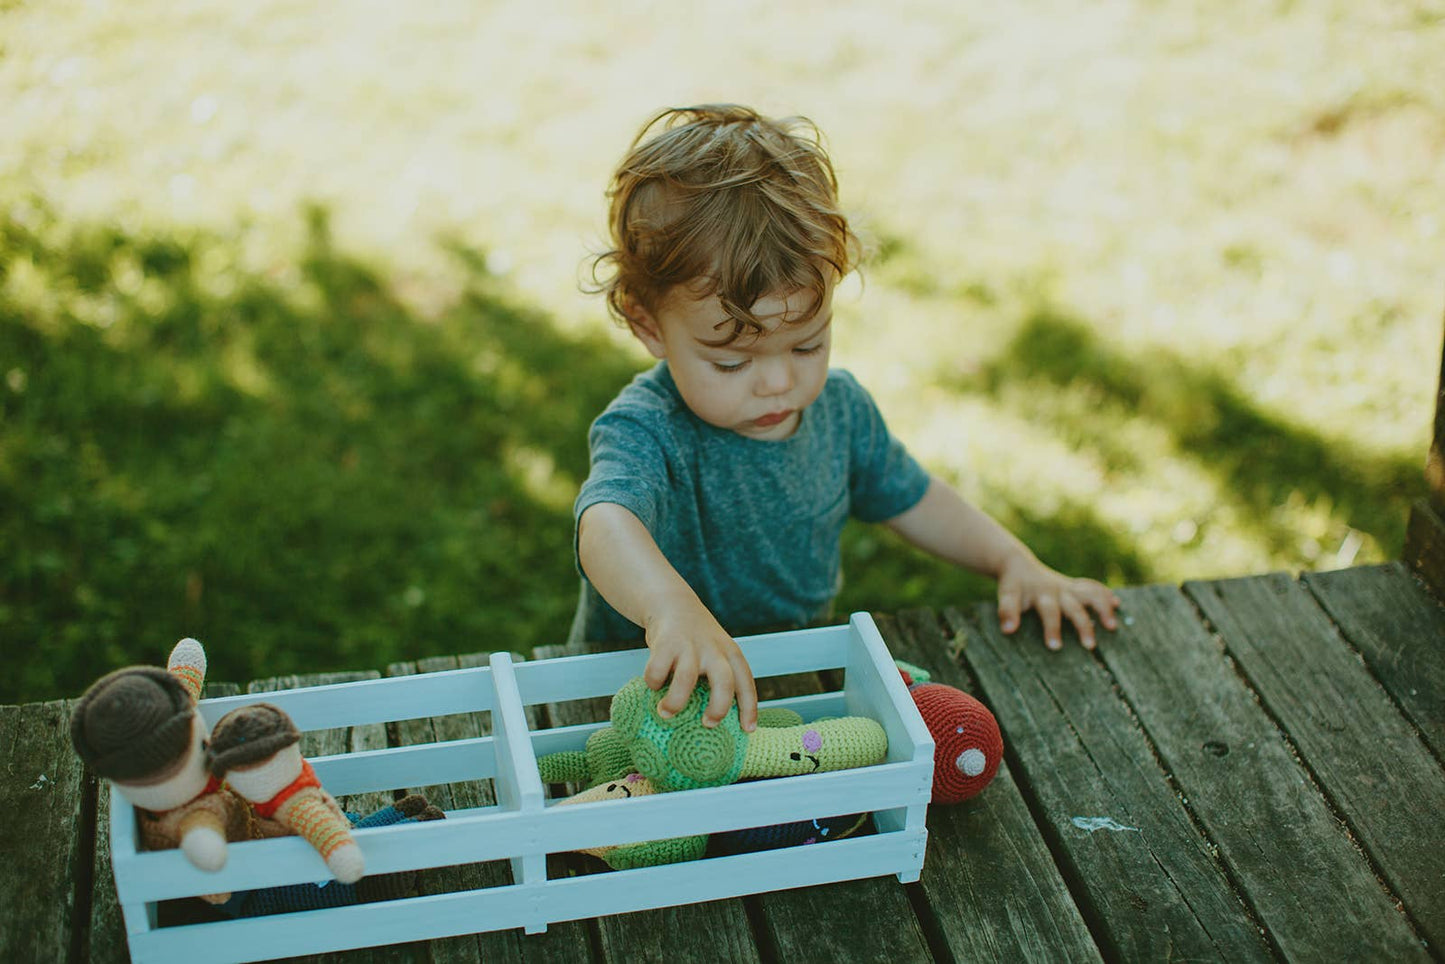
pixel 1103 600
pixel 747 692
pixel 1079 616
pixel 684 678
pixel 659 666
pixel 1048 607
pixel 720 700
pixel 1008 610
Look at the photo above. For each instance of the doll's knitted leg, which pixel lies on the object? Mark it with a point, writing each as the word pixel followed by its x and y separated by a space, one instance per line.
pixel 411 808
pixel 187 663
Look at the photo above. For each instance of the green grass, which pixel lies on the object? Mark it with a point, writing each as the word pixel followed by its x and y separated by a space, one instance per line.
pixel 293 360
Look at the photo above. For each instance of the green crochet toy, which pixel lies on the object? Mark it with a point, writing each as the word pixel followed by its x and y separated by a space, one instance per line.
pixel 605 769
pixel 608 757
pixel 680 753
pixel 641 754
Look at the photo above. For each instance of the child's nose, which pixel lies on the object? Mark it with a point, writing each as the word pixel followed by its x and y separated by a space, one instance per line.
pixel 775 376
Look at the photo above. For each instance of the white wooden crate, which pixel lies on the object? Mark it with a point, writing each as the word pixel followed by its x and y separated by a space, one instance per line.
pixel 523 827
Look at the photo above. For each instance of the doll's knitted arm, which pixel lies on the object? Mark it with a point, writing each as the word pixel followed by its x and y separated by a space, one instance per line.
pixel 203 837
pixel 187 663
pixel 312 814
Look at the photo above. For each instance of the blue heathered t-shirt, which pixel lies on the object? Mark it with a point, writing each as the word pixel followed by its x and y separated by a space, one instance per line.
pixel 753 526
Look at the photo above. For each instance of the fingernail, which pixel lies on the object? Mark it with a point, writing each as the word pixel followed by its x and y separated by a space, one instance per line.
pixel 1088 644
pixel 665 714
pixel 1054 644
pixel 709 723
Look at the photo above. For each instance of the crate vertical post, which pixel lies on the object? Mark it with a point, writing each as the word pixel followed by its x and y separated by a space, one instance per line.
pixel 519 786
pixel 872 680
pixel 140 917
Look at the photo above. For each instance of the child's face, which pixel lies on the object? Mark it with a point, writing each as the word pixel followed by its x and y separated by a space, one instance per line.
pixel 756 386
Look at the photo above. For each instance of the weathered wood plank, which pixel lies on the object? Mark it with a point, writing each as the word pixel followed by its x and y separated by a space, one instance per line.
pixel 1304 880
pixel 346 740
pixel 107 928
pixel 1399 627
pixel 1425 544
pixel 1147 883
pixel 565 942
pixel 989 884
pixel 1369 760
pixel 822 923
pixel 715 930
pixel 45 838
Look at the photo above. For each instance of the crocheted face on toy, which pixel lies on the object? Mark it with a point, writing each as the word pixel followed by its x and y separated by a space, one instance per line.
pixel 681 754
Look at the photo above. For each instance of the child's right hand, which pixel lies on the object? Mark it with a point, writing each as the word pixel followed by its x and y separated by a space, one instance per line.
pixel 686 643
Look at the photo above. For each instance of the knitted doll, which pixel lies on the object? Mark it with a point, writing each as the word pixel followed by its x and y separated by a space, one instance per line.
pixel 138 728
pixel 967 744
pixel 254 749
pixel 680 753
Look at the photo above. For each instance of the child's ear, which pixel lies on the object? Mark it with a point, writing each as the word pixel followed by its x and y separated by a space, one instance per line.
pixel 645 326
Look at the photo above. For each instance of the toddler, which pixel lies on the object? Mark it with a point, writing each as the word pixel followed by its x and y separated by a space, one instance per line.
pixel 722 477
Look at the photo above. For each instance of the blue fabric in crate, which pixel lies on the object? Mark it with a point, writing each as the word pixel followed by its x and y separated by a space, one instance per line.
pixel 803 832
pixel 297 897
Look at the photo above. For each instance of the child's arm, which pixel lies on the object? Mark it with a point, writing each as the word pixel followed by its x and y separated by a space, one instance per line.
pixel 623 562
pixel 945 525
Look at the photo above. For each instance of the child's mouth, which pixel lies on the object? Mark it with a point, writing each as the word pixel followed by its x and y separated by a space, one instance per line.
pixel 768 421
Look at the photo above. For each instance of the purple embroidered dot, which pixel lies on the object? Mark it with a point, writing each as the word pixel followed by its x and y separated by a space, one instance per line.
pixel 633 777
pixel 811 840
pixel 812 742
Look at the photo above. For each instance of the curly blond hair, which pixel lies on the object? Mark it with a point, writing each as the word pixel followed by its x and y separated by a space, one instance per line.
pixel 730 203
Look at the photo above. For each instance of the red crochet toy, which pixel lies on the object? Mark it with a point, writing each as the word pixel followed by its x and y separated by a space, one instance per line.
pixel 967 744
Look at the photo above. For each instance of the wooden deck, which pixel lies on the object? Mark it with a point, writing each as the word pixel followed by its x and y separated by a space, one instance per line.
pixel 1250 769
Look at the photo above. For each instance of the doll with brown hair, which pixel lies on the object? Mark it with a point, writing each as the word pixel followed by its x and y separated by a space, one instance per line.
pixel 138 728
pixel 254 749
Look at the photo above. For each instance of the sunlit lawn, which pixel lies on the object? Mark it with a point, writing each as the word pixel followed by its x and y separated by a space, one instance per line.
pixel 293 356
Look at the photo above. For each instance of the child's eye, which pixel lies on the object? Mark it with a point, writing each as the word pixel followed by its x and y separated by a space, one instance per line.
pixel 730 367
pixel 809 351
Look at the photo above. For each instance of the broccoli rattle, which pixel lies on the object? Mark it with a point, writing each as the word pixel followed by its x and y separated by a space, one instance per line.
pixel 681 754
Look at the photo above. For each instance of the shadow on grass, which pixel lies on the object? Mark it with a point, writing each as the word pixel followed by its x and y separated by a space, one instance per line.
pixel 289 465
pixel 1260 460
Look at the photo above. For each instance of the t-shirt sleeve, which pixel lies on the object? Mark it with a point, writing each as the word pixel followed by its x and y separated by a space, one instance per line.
pixel 884 480
pixel 629 468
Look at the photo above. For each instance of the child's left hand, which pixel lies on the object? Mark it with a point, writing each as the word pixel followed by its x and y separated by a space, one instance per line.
pixel 1025 583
